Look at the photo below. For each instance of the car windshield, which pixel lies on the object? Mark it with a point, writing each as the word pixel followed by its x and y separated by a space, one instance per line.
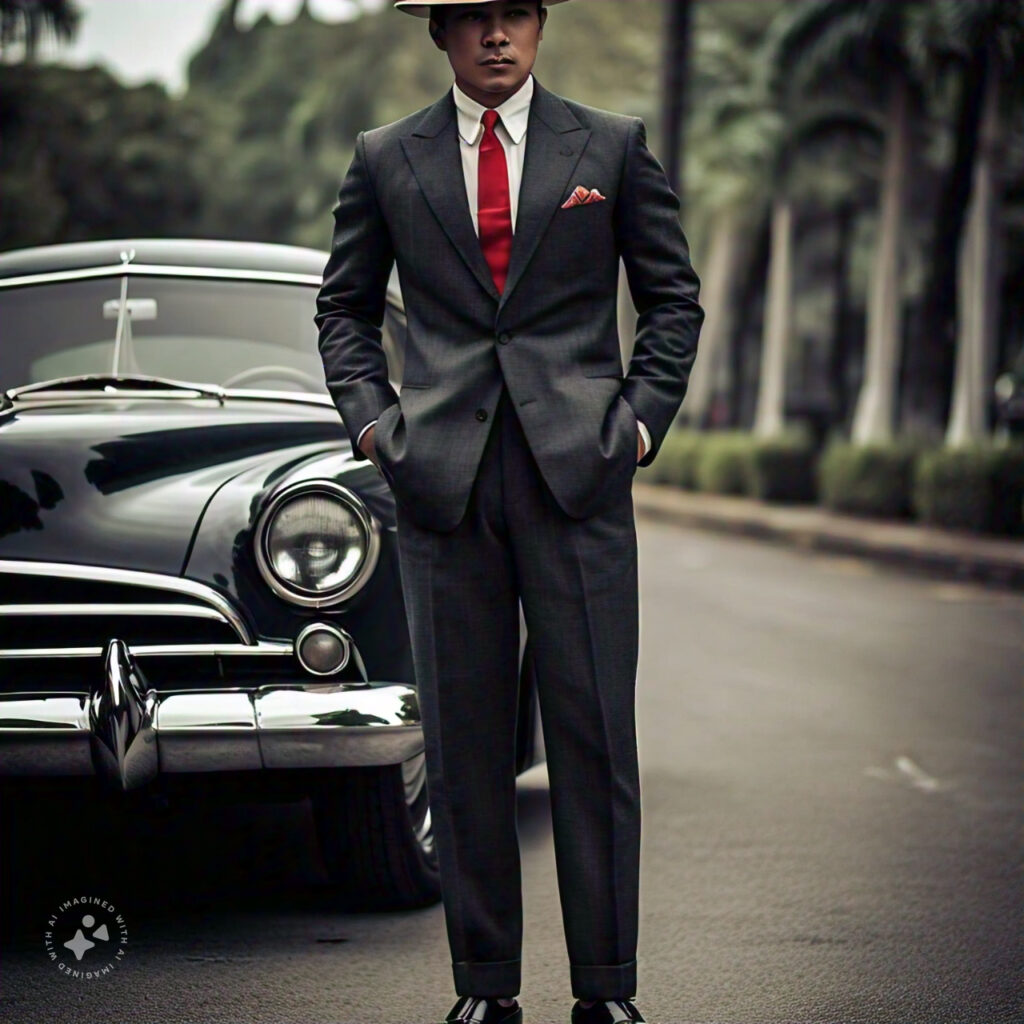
pixel 237 334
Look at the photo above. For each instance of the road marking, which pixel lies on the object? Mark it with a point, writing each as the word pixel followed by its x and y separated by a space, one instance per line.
pixel 917 776
pixel 907 771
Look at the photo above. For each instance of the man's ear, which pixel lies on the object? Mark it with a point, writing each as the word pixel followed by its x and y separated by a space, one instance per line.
pixel 437 34
pixel 543 18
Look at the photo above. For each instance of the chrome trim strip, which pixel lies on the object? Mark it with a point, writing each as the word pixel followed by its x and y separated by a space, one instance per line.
pixel 313 725
pixel 51 652
pixel 182 611
pixel 207 731
pixel 107 385
pixel 189 395
pixel 207 711
pixel 263 647
pixel 120 395
pixel 307 599
pixel 161 270
pixel 302 397
pixel 53 713
pixel 272 648
pixel 194 394
pixel 135 578
pixel 328 706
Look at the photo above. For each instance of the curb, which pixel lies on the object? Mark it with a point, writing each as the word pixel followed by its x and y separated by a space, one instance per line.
pixel 950 554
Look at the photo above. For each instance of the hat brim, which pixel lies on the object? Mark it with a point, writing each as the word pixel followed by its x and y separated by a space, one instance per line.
pixel 423 10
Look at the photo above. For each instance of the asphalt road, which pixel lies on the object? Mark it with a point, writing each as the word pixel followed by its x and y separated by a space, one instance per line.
pixel 831 759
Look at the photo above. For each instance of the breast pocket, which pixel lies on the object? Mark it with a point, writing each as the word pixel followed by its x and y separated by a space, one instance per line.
pixel 582 237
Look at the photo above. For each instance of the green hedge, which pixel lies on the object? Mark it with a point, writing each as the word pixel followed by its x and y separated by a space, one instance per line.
pixel 868 480
pixel 725 462
pixel 979 488
pixel 736 462
pixel 783 468
pixel 676 461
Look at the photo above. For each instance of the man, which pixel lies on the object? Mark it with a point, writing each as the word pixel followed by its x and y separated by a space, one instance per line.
pixel 511 452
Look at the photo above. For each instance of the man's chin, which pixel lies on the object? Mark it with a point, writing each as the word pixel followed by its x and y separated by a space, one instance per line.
pixel 496 83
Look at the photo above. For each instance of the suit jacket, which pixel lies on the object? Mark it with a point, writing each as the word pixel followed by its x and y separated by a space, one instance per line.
pixel 550 338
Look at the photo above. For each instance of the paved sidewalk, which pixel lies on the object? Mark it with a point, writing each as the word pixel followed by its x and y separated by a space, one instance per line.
pixel 949 553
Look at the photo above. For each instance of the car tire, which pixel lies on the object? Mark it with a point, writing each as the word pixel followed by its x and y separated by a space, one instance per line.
pixel 375 836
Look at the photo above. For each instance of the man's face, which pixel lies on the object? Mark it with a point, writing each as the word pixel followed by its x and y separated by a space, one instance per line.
pixel 491 46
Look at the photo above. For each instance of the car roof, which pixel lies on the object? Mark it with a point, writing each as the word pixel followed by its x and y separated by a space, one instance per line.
pixel 178 252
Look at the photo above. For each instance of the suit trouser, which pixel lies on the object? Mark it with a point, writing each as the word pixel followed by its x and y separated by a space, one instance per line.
pixel 577 581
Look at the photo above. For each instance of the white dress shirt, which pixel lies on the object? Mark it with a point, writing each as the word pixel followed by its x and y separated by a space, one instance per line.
pixel 514 116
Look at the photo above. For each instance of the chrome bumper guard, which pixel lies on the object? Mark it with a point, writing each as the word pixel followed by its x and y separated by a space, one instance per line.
pixel 126 733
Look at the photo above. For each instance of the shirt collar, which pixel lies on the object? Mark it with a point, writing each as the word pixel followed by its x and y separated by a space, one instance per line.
pixel 514 113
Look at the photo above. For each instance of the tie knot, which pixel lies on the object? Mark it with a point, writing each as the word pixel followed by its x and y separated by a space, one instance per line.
pixel 490 120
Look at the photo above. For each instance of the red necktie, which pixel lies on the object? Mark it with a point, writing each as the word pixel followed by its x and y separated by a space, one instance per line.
pixel 494 209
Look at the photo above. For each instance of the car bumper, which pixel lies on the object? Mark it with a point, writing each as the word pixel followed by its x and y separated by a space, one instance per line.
pixel 126 733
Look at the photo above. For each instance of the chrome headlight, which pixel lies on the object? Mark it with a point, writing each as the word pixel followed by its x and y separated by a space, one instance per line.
pixel 316 543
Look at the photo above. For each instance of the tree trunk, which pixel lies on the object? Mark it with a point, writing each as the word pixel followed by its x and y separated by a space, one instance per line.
pixel 718 285
pixel 927 387
pixel 979 282
pixel 32 33
pixel 874 417
pixel 839 354
pixel 675 76
pixel 769 418
pixel 743 360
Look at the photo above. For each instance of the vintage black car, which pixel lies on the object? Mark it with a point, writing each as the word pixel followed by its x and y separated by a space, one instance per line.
pixel 197 580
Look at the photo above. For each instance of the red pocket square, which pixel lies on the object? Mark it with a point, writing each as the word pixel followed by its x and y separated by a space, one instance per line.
pixel 582 196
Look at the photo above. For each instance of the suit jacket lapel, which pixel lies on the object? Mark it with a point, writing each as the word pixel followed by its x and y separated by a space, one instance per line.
pixel 433 152
pixel 555 141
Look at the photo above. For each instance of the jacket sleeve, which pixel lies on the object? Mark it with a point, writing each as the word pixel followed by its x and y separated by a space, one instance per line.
pixel 664 288
pixel 350 304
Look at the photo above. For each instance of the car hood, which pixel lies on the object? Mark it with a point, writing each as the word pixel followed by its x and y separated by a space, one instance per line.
pixel 124 482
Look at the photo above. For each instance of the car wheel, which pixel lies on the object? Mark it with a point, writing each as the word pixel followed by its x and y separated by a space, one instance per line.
pixel 375 835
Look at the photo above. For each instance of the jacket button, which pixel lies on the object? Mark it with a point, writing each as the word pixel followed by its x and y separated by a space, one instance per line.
pixel 505 337
pixel 481 415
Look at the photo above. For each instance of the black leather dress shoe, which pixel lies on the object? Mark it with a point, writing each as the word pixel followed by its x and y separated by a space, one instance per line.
pixel 472 1010
pixel 610 1011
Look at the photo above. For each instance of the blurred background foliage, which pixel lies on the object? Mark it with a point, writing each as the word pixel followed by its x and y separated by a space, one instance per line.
pixel 852 174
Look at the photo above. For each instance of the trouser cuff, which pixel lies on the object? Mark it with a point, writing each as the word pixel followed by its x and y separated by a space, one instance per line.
pixel 497 980
pixel 614 981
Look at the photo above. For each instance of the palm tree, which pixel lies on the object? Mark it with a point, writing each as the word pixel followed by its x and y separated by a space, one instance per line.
pixel 25 22
pixel 867 45
pixel 729 137
pixel 990 34
pixel 760 147
pixel 798 139
pixel 743 153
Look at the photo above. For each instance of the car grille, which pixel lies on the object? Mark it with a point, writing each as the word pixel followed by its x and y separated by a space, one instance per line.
pixel 53 615
pixel 64 608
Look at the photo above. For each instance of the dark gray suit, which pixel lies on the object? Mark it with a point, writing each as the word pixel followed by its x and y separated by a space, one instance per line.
pixel 511 453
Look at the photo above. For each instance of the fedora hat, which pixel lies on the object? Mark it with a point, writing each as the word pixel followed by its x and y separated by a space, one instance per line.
pixel 423 10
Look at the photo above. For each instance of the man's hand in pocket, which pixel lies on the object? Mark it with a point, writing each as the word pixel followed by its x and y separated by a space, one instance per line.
pixel 368 447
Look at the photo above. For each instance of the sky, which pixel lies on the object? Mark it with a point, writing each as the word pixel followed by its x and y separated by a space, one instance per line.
pixel 143 40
